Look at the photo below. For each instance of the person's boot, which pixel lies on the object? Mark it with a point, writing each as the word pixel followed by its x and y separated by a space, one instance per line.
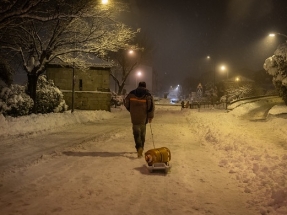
pixel 140 152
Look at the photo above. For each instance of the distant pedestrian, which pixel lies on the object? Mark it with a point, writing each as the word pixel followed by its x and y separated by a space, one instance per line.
pixel 140 104
pixel 182 104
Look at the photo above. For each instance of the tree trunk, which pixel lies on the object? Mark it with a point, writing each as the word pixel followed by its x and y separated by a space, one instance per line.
pixel 32 87
pixel 284 94
pixel 121 87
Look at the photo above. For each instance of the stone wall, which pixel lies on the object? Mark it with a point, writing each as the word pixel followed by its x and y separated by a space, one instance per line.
pixel 91 87
pixel 87 100
pixel 94 79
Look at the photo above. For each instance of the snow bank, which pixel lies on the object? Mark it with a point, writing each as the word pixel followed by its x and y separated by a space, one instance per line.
pixel 278 109
pixel 42 122
pixel 253 153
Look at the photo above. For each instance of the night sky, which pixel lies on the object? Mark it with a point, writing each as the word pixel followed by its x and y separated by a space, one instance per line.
pixel 231 32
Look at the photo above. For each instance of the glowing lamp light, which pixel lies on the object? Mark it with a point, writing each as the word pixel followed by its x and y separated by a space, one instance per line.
pixel 105 1
pixel 138 74
pixel 274 34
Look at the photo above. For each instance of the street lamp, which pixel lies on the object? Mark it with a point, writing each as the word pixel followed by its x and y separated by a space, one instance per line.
pixel 274 34
pixel 139 74
pixel 208 57
pixel 223 68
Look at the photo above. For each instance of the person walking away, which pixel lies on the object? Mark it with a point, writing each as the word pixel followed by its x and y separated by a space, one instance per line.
pixel 182 104
pixel 139 102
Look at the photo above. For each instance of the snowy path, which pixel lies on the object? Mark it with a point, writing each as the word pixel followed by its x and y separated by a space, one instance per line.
pixel 23 150
pixel 103 176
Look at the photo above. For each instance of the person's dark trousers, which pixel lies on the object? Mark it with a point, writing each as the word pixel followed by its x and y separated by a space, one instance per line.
pixel 139 132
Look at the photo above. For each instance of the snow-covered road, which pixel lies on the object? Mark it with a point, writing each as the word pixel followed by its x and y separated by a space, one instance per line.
pixel 221 165
pixel 25 149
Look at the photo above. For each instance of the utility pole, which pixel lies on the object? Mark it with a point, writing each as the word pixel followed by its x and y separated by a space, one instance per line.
pixel 73 88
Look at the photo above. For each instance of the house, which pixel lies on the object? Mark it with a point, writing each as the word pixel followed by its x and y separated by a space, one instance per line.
pixel 91 87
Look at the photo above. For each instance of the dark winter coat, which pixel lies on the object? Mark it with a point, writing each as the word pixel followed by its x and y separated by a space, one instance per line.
pixel 140 104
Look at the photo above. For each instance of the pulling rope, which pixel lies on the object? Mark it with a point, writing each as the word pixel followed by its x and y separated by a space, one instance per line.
pixel 151 135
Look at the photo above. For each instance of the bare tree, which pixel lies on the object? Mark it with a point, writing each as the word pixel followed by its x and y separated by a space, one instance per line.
pixel 125 61
pixel 77 27
pixel 14 9
pixel 128 59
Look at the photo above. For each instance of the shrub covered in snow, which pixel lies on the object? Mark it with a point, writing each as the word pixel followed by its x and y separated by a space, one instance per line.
pixel 276 66
pixel 116 100
pixel 49 97
pixel 14 101
pixel 211 92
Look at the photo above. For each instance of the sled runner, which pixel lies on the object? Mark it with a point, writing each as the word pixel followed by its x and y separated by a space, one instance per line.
pixel 159 166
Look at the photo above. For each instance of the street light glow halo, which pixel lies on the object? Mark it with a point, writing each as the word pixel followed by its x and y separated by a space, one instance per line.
pixel 105 1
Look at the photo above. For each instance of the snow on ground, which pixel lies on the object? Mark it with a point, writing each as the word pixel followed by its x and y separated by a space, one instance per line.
pixel 43 122
pixel 252 152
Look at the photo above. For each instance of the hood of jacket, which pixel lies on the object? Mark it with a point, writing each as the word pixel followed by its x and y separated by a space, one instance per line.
pixel 141 91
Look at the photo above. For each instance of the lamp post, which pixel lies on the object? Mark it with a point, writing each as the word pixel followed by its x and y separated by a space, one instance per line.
pixel 208 57
pixel 223 68
pixel 178 88
pixel 274 34
pixel 138 75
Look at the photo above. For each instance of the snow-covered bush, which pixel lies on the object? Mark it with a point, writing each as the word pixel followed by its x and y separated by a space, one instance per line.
pixel 211 93
pixel 116 100
pixel 14 101
pixel 49 97
pixel 276 66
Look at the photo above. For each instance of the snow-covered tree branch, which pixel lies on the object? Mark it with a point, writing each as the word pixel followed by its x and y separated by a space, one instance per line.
pixel 77 27
pixel 126 60
pixel 276 66
pixel 124 63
